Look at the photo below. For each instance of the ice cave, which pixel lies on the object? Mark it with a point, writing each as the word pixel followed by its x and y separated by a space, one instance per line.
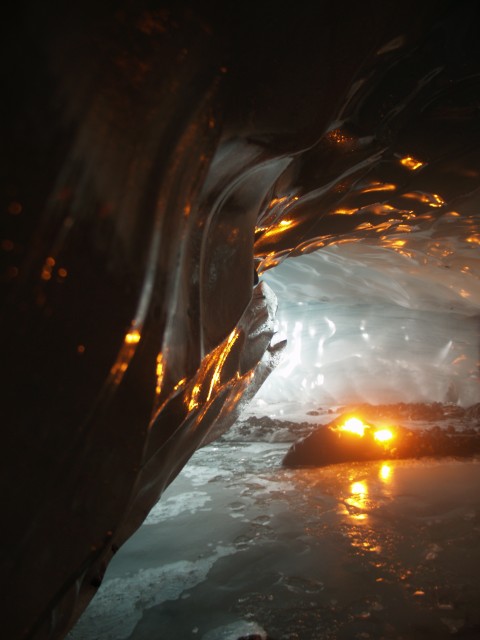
pixel 234 235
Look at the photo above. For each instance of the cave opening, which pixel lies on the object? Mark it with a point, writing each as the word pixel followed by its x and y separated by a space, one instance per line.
pixel 241 546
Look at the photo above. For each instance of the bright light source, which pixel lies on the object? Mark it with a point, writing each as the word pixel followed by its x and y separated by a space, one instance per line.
pixel 385 472
pixel 354 425
pixel 383 435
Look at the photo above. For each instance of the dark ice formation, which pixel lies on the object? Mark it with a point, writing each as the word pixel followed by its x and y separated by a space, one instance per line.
pixel 154 153
pixel 328 444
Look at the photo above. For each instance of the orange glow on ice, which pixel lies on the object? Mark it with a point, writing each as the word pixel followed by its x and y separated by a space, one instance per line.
pixel 354 425
pixel 132 337
pixel 383 435
pixel 411 163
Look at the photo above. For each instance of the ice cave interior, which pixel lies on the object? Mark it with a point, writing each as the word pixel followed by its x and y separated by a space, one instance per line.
pixel 365 323
pixel 162 158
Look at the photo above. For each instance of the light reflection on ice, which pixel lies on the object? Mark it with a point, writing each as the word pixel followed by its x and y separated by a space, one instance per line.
pixel 331 552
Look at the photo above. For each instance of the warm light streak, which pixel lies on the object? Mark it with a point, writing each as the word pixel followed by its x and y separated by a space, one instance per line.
pixel 160 372
pixel 385 472
pixel 409 162
pixel 381 209
pixel 275 201
pixel 382 226
pixel 379 186
pixel 344 212
pixel 279 228
pixel 232 338
pixel 432 199
pixel 132 337
pixel 209 377
pixel 437 201
pixel 193 402
pixel 179 384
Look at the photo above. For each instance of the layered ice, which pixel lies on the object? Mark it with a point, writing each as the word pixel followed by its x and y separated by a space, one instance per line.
pixel 160 159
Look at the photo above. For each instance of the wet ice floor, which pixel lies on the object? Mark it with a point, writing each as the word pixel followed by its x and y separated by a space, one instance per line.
pixel 240 545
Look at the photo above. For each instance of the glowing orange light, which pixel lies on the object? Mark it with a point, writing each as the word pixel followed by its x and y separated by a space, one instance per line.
pixel 475 239
pixel 432 199
pixel 359 488
pixel 379 186
pixel 385 472
pixel 383 435
pixel 159 373
pixel 411 163
pixel 354 425
pixel 279 228
pixel 437 201
pixel 275 201
pixel 132 337
pixel 345 212
pixel 179 384
pixel 232 338
pixel 194 402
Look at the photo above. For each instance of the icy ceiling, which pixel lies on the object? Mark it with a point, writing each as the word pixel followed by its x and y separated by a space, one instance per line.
pixel 157 153
pixel 381 301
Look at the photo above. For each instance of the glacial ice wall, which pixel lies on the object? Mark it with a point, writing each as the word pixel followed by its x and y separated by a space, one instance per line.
pixel 156 154
pixel 365 324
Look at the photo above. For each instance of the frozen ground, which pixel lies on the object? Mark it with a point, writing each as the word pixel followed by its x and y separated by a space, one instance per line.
pixel 238 545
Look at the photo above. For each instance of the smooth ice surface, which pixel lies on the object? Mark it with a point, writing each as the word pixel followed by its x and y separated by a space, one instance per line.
pixel 364 323
pixel 240 545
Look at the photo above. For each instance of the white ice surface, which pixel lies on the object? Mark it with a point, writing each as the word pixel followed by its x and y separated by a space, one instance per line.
pixel 368 324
